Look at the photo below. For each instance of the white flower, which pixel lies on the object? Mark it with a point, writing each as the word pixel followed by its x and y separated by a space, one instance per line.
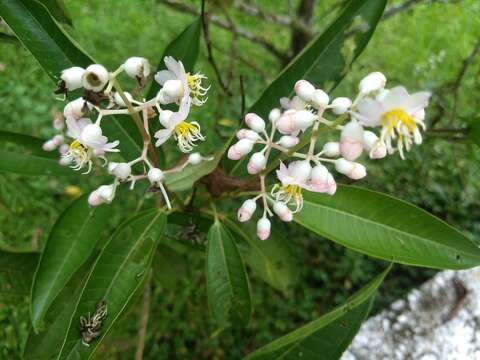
pixel 95 77
pixel 186 133
pixel 399 114
pixel 190 85
pixel 88 142
pixel 292 180
pixel 137 67
pixel 72 77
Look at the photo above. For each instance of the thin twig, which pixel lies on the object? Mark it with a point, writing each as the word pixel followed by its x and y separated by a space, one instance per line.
pixel 143 324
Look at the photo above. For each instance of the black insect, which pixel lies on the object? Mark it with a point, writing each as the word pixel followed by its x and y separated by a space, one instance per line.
pixel 90 326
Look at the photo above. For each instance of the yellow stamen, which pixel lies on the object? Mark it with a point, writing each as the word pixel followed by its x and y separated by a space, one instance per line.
pixel 182 129
pixel 76 145
pixel 391 118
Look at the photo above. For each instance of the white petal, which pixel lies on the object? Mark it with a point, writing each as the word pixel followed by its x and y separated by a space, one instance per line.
pixel 73 129
pixel 417 101
pixel 370 111
pixel 396 97
pixel 162 136
pixel 162 76
pixel 182 113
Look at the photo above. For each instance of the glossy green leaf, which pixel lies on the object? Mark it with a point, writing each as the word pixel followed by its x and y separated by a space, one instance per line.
pixel 228 289
pixel 325 60
pixel 58 10
pixel 55 51
pixel 272 260
pixel 71 242
pixel 16 274
pixel 28 157
pixel 327 337
pixel 388 228
pixel 117 274
pixel 185 179
pixel 46 345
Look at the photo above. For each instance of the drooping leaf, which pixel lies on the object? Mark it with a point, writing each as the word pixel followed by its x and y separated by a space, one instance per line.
pixel 185 179
pixel 272 260
pixel 228 289
pixel 325 60
pixel 28 157
pixel 16 274
pixel 388 228
pixel 118 273
pixel 71 242
pixel 55 51
pixel 327 337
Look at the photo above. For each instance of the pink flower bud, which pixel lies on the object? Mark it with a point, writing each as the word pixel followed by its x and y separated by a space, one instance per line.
pixel 286 123
pixel 288 141
pixel 320 99
pixel 246 210
pixel 351 140
pixel 379 152
pixel 263 228
pixel 64 161
pixel 304 90
pixel 331 149
pixel 58 140
pixel 371 144
pixel 340 105
pixel 351 169
pixel 49 145
pixel 255 122
pixel 322 181
pixel 94 199
pixel 240 149
pixel 247 134
pixel 372 82
pixel 256 163
pixel 292 121
pixel 282 211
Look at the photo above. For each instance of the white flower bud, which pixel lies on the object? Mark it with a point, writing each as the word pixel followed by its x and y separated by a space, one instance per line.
pixel 240 149
pixel 106 192
pixel 301 170
pixel 331 149
pixel 119 101
pixel 76 108
pixel 288 141
pixel 72 77
pixel 122 171
pixel 372 82
pixel 247 134
pixel 303 119
pixel 155 175
pixel 370 139
pixel 320 99
pixel 322 181
pixel 282 211
pixel 371 144
pixel 263 228
pixel 137 67
pixel 111 166
pixel 255 122
pixel 340 105
pixel 94 199
pixel 351 140
pixel 304 90
pixel 49 145
pixel 195 158
pixel 91 134
pixel 95 78
pixel 256 163
pixel 274 115
pixel 173 89
pixel 246 210
pixel 292 121
pixel 164 117
pixel 351 169
pixel 162 97
pixel 63 149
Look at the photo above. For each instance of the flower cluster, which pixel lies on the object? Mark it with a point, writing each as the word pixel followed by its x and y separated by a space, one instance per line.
pixel 398 116
pixel 103 97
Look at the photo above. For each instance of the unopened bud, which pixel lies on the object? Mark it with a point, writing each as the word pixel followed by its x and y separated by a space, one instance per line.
pixel 255 122
pixel 164 117
pixel 331 149
pixel 64 161
pixel 256 163
pixel 304 90
pixel 263 228
pixel 247 134
pixel 320 99
pixel 351 169
pixel 106 192
pixel 246 210
pixel 240 149
pixel 292 121
pixel 49 145
pixel 372 146
pixel 300 170
pixel 173 89
pixel 119 100
pixel 76 108
pixel 372 82
pixel 95 77
pixel 155 175
pixel 137 67
pixel 351 140
pixel 322 181
pixel 340 105
pixel 94 199
pixel 72 77
pixel 288 141
pixel 63 149
pixel 274 115
pixel 282 211
pixel 122 171
pixel 58 140
pixel 195 158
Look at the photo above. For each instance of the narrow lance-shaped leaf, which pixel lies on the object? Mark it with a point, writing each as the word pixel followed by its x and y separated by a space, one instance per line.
pixel 388 228
pixel 327 337
pixel 228 288
pixel 71 241
pixel 55 51
pixel 58 10
pixel 325 60
pixel 118 273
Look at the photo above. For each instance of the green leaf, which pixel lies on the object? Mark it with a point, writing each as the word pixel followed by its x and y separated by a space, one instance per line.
pixel 328 336
pixel 388 228
pixel 55 51
pixel 48 343
pixel 325 60
pixel 31 159
pixel 16 274
pixel 118 273
pixel 71 242
pixel 58 10
pixel 228 288
pixel 272 260
pixel 185 179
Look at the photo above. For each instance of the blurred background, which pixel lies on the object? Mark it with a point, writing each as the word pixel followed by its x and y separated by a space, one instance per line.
pixel 422 44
